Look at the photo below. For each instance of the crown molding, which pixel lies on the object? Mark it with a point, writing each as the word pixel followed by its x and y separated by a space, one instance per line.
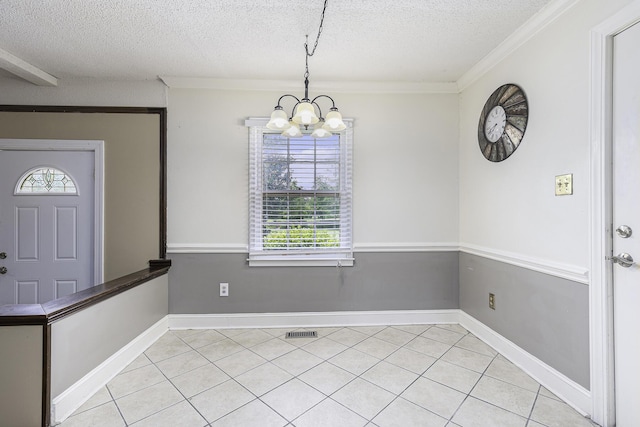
pixel 367 87
pixel 520 36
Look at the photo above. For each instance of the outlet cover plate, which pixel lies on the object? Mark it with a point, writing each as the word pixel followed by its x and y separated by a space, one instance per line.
pixel 224 289
pixel 564 184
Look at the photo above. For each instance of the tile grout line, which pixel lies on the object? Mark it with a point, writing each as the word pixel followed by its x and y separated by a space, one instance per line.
pixel 359 376
pixel 471 389
pixel 174 386
pixel 327 359
pixel 396 395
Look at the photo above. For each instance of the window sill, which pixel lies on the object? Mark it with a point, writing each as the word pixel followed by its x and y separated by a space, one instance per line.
pixel 300 262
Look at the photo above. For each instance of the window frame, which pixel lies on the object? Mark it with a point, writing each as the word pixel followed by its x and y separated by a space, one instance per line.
pixel 258 257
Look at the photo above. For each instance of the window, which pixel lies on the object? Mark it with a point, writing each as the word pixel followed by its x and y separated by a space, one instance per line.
pixel 46 180
pixel 300 198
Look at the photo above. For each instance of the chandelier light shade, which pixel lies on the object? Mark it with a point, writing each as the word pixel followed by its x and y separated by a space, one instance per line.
pixel 279 120
pixel 306 112
pixel 319 131
pixel 293 131
pixel 333 122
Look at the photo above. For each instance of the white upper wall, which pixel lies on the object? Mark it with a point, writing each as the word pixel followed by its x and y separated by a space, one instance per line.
pixel 510 206
pixel 405 167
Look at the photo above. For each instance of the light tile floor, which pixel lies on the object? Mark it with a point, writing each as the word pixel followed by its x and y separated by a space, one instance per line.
pixel 415 375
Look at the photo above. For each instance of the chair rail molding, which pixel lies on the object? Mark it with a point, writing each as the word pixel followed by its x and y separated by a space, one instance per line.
pixel 561 270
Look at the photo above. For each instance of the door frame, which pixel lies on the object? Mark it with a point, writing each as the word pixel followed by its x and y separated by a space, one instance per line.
pixel 97 147
pixel 600 208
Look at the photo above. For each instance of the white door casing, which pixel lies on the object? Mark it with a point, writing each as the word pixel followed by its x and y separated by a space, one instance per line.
pixel 601 222
pixel 626 211
pixel 53 242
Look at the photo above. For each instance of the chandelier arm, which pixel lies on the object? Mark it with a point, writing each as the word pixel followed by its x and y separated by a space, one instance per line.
pixel 333 104
pixel 286 95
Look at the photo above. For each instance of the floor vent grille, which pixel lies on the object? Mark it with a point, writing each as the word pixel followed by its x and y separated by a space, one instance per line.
pixel 302 334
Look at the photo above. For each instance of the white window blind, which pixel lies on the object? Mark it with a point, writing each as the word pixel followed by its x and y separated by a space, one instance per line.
pixel 300 199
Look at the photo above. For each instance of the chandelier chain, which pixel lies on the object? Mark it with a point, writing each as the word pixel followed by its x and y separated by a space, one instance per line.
pixel 315 45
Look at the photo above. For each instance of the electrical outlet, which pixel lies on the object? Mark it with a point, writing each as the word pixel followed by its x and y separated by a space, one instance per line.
pixel 492 301
pixel 224 289
pixel 564 185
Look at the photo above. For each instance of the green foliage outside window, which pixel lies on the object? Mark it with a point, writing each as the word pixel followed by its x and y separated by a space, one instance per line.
pixel 301 237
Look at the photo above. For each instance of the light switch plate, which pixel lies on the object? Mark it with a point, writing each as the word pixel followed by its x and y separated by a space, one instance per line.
pixel 564 184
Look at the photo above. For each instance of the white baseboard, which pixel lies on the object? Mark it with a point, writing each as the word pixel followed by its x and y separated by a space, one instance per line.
pixel 572 393
pixel 320 319
pixel 566 389
pixel 72 398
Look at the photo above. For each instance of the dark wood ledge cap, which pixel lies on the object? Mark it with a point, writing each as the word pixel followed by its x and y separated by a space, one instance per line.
pixel 36 314
pixel 159 263
pixel 62 307
pixel 22 314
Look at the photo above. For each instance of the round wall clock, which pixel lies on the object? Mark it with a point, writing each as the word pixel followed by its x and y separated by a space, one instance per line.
pixel 502 122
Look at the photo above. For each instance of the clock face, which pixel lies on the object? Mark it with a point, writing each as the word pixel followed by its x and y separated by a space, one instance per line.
pixel 503 121
pixel 495 123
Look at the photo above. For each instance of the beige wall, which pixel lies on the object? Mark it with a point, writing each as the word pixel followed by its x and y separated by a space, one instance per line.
pixel 132 167
pixel 20 376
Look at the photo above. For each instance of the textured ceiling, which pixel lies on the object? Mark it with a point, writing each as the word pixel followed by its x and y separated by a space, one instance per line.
pixel 363 40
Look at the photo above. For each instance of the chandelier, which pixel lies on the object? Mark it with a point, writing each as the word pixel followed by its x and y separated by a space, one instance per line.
pixel 304 111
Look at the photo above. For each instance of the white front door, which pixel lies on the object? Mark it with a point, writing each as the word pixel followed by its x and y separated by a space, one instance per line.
pixel 626 223
pixel 46 237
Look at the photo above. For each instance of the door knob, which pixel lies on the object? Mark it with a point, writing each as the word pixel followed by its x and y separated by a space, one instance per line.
pixel 3 270
pixel 3 255
pixel 623 259
pixel 624 231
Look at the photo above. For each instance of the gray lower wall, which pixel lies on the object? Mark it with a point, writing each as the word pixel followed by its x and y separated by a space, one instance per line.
pixel 83 340
pixel 545 315
pixel 377 281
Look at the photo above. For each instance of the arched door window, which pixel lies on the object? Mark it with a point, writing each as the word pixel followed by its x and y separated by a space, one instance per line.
pixel 46 180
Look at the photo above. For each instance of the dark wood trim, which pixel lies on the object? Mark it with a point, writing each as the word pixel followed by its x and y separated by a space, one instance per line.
pixel 63 307
pixel 22 314
pixel 163 183
pixel 80 109
pixel 46 375
pixel 46 314
pixel 162 158
pixel 159 263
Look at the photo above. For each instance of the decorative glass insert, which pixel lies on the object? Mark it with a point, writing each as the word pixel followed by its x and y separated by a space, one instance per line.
pixel 46 180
